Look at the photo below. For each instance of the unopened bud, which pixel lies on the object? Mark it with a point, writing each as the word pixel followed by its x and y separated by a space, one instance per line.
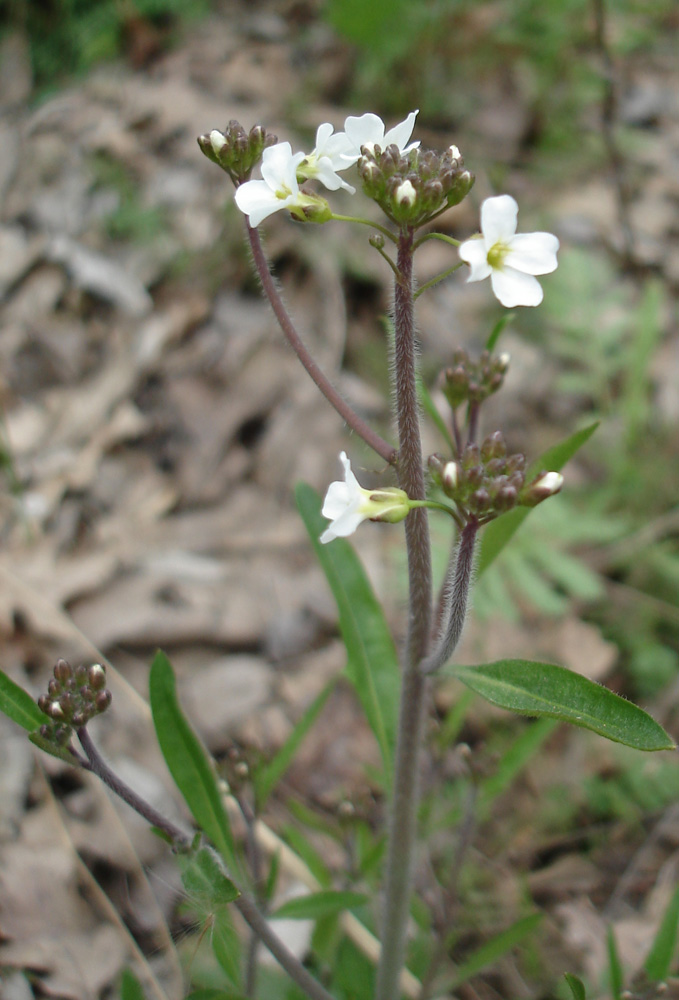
pixel 96 676
pixel 103 700
pixel 405 193
pixel 217 140
pixel 62 671
pixel 542 488
pixel 450 476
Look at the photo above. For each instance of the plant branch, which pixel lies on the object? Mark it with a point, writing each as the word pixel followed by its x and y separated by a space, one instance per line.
pixel 459 580
pixel 245 903
pixel 371 438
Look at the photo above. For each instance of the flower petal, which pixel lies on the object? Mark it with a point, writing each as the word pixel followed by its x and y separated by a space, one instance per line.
pixel 256 200
pixel 513 288
pixel 401 133
pixel 343 526
pixel 498 219
pixel 533 253
pixel 473 252
pixel 364 129
pixel 279 167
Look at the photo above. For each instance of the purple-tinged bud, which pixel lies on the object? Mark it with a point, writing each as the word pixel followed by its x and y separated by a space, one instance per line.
pixel 62 671
pixel 480 501
pixel 405 194
pixel 67 703
pixel 55 711
pixel 81 675
pixel 53 687
pixel 80 719
pixel 43 703
pixel 506 498
pixel 493 447
pixel 96 676
pixel 103 700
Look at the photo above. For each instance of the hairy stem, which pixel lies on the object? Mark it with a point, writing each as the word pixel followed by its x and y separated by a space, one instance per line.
pixel 457 595
pixel 403 809
pixel 371 438
pixel 245 903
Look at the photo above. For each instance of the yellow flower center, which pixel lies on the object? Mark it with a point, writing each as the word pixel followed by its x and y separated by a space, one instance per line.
pixel 496 255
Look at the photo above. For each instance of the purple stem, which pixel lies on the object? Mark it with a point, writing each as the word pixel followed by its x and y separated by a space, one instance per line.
pixel 457 586
pixel 403 808
pixel 371 438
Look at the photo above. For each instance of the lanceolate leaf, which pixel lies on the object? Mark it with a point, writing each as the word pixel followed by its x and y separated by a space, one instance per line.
pixel 188 762
pixel 543 689
pixel 499 532
pixel 659 958
pixel 372 664
pixel 319 904
pixel 577 987
pixel 495 948
pixel 204 878
pixel 18 705
pixel 267 778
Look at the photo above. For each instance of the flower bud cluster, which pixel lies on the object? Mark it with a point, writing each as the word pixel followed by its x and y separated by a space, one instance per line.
pixel 467 381
pixel 485 481
pixel 235 150
pixel 411 188
pixel 74 696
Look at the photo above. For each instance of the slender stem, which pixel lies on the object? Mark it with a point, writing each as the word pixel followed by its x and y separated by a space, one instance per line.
pixel 254 857
pixel 433 505
pixel 366 222
pixel 436 236
pixel 439 277
pixel 245 903
pixel 473 421
pixel 371 438
pixel 403 808
pixel 459 581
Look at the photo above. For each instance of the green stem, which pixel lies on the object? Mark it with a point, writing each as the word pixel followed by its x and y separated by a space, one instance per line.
pixel 439 277
pixel 403 807
pixel 436 236
pixel 366 222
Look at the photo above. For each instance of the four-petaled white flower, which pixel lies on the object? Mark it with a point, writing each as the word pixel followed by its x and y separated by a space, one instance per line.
pixel 278 189
pixel 347 504
pixel 327 157
pixel 369 130
pixel 509 258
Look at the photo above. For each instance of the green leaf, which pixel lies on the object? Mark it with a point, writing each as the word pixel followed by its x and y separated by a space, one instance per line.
pixel 226 946
pixel 18 705
pixel 659 958
pixel 130 987
pixel 495 948
pixel 543 689
pixel 268 776
pixel 372 662
pixel 319 904
pixel 204 878
pixel 497 330
pixel 188 762
pixel 513 760
pixel 499 532
pixel 430 408
pixel 577 987
pixel 614 967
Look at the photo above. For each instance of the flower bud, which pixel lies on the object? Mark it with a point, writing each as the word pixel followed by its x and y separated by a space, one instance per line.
pixel 450 476
pixel 405 194
pixel 96 676
pixel 103 700
pixel 62 671
pixel 545 486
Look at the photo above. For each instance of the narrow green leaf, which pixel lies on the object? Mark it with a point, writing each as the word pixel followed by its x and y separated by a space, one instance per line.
pixel 495 948
pixel 319 904
pixel 214 994
pixel 188 762
pixel 543 689
pixel 226 946
pixel 430 408
pixel 614 967
pixel 499 532
pixel 130 987
pixel 659 958
pixel 577 987
pixel 497 330
pixel 514 760
pixel 203 877
pixel 268 776
pixel 18 705
pixel 372 662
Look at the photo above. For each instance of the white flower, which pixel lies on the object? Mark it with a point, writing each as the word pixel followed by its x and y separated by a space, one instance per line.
pixel 347 504
pixel 327 158
pixel 279 188
pixel 508 258
pixel 369 130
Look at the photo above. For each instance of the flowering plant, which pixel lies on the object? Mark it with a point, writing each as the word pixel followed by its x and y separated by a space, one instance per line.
pixel 475 484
